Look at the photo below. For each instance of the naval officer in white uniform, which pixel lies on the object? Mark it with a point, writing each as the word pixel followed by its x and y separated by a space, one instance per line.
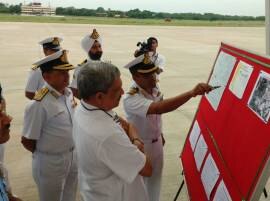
pixel 144 105
pixel 47 132
pixel 92 45
pixel 35 80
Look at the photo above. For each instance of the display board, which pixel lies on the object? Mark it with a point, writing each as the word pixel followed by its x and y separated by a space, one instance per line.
pixel 226 156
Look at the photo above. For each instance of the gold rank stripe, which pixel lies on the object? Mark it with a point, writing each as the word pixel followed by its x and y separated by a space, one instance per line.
pixel 35 67
pixel 133 91
pixel 40 94
pixel 83 62
pixel 147 71
pixel 64 67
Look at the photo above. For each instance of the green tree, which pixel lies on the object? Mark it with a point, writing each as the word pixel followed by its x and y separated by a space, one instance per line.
pixel 15 9
pixel 100 10
pixel 4 8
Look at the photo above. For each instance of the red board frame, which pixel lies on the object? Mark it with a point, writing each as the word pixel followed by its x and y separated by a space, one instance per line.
pixel 238 140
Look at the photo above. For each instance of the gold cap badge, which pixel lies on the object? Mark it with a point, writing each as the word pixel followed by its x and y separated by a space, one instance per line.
pixel 55 41
pixel 64 58
pixel 94 35
pixel 146 59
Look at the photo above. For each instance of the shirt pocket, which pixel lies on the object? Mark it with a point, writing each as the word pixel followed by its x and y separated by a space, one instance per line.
pixel 59 116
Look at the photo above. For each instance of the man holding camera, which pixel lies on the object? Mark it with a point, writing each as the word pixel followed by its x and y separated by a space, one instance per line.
pixel 151 47
pixel 35 80
pixel 47 132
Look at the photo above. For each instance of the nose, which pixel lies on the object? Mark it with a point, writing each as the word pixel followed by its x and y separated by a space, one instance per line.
pixel 66 75
pixel 99 49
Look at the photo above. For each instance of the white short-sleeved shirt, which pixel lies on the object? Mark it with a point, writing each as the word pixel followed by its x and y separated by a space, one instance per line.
pixel 35 81
pixel 136 106
pixel 159 60
pixel 108 163
pixel 73 83
pixel 49 121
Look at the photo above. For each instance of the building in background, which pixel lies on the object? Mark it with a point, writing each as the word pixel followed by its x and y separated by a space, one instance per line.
pixel 36 8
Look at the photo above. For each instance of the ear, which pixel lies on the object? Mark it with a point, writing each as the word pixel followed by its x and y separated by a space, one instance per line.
pixel 46 76
pixel 135 76
pixel 99 97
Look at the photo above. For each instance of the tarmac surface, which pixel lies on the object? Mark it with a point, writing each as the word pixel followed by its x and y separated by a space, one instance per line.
pixel 189 52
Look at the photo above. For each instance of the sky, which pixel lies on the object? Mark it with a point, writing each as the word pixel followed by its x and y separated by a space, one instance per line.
pixel 225 7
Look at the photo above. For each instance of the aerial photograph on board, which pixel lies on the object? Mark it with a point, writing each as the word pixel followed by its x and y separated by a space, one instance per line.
pixel 134 100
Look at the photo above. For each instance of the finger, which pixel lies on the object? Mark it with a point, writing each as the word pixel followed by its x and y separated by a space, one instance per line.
pixel 207 88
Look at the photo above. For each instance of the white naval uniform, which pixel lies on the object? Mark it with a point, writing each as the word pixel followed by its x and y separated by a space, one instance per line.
pixel 149 128
pixel 73 83
pixel 49 122
pixel 108 163
pixel 35 80
pixel 158 60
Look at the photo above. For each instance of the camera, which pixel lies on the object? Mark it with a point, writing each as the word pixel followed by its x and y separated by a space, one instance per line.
pixel 144 48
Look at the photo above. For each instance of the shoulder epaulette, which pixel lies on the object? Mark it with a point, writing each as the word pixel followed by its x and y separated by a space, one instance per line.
pixel 83 62
pixel 133 91
pixel 35 67
pixel 40 94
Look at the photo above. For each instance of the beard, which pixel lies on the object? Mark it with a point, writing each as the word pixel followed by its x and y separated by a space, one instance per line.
pixel 95 56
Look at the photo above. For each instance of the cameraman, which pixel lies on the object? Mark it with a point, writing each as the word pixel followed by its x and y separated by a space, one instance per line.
pixel 151 46
pixel 157 59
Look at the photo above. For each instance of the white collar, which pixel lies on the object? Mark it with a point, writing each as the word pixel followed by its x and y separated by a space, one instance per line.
pixel 90 107
pixel 56 93
pixel 155 91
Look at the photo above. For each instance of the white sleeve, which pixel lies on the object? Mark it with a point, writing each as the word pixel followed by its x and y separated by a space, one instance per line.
pixel 122 157
pixel 34 118
pixel 73 83
pixel 136 104
pixel 160 62
pixel 32 82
